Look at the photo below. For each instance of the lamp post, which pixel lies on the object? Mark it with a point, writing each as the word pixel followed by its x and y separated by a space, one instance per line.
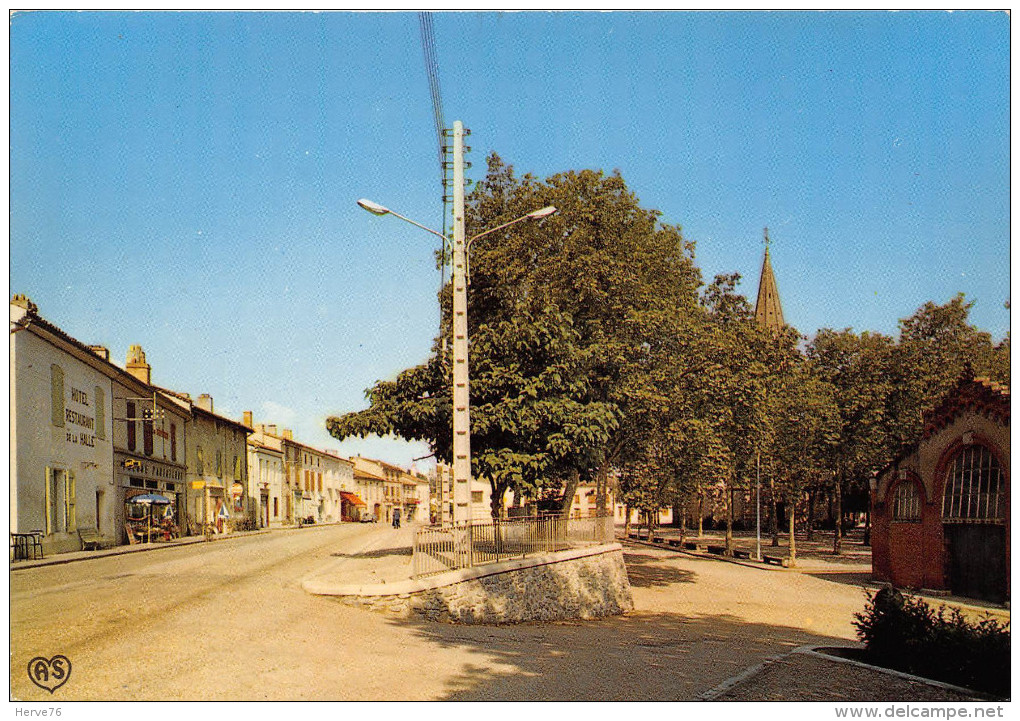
pixel 461 394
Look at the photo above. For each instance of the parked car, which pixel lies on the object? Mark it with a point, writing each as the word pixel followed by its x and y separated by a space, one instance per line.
pixel 368 519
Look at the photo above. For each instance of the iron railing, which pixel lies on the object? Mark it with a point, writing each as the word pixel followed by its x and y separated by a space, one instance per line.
pixel 440 549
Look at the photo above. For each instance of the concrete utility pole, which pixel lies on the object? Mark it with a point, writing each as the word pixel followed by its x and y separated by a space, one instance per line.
pixel 461 391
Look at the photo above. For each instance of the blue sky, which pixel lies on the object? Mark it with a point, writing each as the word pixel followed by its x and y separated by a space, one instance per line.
pixel 187 181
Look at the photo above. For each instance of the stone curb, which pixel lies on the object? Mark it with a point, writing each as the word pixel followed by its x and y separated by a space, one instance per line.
pixel 61 559
pixel 813 650
pixel 320 587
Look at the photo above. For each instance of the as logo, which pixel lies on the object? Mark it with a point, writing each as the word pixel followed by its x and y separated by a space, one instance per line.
pixel 49 673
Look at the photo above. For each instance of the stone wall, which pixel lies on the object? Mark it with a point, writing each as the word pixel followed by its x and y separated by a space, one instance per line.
pixel 568 585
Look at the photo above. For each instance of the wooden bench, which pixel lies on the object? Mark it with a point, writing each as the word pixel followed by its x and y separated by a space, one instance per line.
pixel 90 539
pixel 673 541
pixel 635 535
pixel 718 550
pixel 690 545
pixel 739 553
pixel 776 561
pixel 657 539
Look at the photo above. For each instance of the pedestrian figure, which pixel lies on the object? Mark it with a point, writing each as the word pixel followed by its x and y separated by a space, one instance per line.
pixel 396 518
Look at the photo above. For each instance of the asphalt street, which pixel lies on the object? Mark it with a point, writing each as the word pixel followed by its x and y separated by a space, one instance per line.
pixel 229 621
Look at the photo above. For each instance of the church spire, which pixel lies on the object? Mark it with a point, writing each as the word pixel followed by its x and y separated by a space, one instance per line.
pixel 768 311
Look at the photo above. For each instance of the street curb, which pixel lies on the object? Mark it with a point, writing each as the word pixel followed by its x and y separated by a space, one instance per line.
pixel 813 650
pixel 58 560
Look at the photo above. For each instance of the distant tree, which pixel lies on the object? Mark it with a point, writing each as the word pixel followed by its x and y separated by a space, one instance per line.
pixel 857 369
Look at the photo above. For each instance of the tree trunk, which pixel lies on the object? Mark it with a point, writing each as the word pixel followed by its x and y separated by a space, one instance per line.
pixel 793 526
pixel 573 479
pixel 677 520
pixel 811 515
pixel 701 513
pixel 626 521
pixel 601 489
pixel 775 512
pixel 867 525
pixel 837 536
pixel 496 499
pixel 729 520
pixel 683 521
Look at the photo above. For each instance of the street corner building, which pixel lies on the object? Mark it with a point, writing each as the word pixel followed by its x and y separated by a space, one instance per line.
pixel 101 457
pixel 941 508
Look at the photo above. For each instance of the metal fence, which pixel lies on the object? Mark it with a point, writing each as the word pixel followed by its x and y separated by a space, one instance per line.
pixel 450 548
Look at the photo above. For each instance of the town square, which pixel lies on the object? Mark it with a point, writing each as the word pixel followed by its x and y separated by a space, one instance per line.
pixel 511 356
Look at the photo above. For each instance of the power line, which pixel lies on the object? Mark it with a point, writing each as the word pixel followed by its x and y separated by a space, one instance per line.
pixel 428 44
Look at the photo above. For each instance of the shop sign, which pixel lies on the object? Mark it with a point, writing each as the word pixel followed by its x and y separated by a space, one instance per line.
pixel 198 484
pixel 82 419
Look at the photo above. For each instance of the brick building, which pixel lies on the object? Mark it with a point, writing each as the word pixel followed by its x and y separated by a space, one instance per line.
pixel 941 508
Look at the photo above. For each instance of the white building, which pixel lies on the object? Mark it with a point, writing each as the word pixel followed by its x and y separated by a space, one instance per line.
pixel 61 434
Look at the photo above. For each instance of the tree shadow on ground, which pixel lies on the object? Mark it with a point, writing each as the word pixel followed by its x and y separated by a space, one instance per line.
pixel 646 571
pixel 378 553
pixel 850 578
pixel 637 657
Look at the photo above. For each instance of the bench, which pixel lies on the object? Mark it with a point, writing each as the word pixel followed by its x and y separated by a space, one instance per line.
pixel 673 541
pixel 90 539
pixel 690 545
pixel 718 550
pixel 738 553
pixel 634 535
pixel 657 539
pixel 776 561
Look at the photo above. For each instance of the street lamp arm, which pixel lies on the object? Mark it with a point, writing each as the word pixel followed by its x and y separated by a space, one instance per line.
pixel 376 209
pixel 542 213
pixel 423 227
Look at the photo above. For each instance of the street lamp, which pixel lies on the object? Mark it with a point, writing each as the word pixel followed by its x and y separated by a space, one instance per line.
pixel 461 396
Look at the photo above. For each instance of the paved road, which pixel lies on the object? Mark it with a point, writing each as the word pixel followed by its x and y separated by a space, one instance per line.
pixel 229 620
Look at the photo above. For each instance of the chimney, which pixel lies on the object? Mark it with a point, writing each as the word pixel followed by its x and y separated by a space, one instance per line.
pixel 288 434
pixel 248 420
pixel 204 402
pixel 101 351
pixel 271 429
pixel 22 301
pixel 137 366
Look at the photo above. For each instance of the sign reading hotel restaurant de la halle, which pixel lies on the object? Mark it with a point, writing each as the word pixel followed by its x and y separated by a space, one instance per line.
pixel 73 417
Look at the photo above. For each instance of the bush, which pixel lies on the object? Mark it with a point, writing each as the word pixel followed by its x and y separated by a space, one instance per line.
pixel 905 633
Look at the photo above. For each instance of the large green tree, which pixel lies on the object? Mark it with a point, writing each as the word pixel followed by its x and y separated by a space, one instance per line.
pixel 561 316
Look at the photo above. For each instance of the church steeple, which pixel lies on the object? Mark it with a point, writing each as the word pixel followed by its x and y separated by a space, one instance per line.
pixel 768 311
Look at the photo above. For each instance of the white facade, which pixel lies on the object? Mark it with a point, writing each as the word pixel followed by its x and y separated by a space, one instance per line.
pixel 265 480
pixel 61 434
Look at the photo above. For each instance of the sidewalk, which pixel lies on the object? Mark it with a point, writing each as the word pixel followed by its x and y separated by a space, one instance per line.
pixel 72 556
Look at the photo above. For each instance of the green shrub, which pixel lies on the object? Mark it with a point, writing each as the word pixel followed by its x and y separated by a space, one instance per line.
pixel 904 633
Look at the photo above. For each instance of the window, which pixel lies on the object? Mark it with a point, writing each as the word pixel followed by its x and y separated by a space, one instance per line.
pixel 320 483
pixel 276 507
pixel 173 441
pixel 974 489
pixel 476 496
pixel 131 426
pixel 907 502
pixel 57 395
pixel 100 414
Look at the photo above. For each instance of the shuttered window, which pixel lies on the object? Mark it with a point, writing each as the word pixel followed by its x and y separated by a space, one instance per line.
pixel 100 414
pixel 57 393
pixel 131 440
pixel 70 503
pixel 173 441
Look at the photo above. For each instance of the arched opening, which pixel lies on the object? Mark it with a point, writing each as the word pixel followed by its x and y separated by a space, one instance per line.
pixel 974 524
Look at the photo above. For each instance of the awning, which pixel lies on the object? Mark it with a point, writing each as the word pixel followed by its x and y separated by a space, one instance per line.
pixel 351 498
